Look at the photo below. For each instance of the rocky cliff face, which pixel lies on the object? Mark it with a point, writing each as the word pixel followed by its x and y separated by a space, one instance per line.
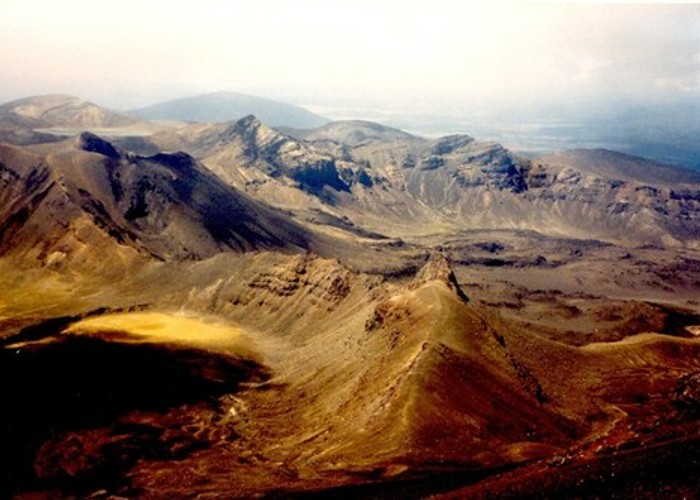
pixel 381 178
pixel 386 181
pixel 303 372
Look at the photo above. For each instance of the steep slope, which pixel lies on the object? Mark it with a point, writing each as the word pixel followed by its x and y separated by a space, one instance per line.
pixel 228 106
pixel 379 383
pixel 85 198
pixel 386 181
pixel 363 367
pixel 483 185
pixel 316 179
pixel 620 199
pixel 399 378
pixel 368 179
pixel 442 385
pixel 226 353
pixel 359 369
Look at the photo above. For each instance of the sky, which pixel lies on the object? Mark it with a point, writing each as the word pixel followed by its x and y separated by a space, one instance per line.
pixel 432 54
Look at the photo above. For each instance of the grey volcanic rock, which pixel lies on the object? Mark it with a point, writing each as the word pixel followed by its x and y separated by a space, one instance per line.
pixel 94 144
pixel 85 197
pixel 315 177
pixel 382 178
pixel 229 106
pixel 450 143
pixel 366 372
pixel 249 144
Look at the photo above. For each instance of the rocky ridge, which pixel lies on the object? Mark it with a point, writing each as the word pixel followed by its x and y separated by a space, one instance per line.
pixel 385 180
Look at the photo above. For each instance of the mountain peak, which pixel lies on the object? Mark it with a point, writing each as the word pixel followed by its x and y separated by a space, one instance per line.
pixel 87 141
pixel 251 129
pixel 438 268
pixel 58 110
pixel 358 132
pixel 221 107
pixel 249 121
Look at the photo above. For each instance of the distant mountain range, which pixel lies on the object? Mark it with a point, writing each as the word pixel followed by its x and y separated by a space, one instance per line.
pixel 385 180
pixel 371 179
pixel 345 310
pixel 665 131
pixel 227 106
pixel 59 111
pixel 50 117
pixel 45 118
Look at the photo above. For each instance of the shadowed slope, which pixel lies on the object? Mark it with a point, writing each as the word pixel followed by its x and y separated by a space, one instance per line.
pixel 389 182
pixel 378 383
pixel 85 196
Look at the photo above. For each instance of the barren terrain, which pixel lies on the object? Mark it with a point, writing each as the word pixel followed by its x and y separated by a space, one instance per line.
pixel 348 311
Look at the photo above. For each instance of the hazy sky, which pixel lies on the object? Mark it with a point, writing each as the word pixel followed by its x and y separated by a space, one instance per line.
pixel 128 53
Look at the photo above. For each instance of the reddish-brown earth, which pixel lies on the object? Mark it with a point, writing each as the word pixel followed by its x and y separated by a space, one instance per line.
pixel 354 312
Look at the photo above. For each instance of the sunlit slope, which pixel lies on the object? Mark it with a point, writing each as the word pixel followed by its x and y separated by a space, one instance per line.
pixel 152 327
pixel 387 181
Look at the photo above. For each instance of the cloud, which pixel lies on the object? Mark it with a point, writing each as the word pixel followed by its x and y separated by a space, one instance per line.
pixel 407 53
